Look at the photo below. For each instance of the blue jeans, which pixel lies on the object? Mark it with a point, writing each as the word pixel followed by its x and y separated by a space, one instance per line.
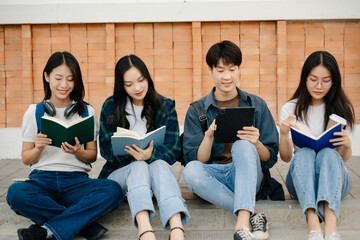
pixel 316 178
pixel 231 186
pixel 140 180
pixel 64 202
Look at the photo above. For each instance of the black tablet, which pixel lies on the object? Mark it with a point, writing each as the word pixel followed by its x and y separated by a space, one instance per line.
pixel 230 120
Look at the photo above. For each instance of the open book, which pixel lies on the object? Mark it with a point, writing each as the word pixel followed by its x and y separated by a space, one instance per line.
pixel 60 132
pixel 123 137
pixel 301 138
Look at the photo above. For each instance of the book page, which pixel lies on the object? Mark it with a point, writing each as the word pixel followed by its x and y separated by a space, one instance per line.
pixel 327 131
pixel 123 132
pixel 78 120
pixel 62 123
pixel 304 132
pixel 54 119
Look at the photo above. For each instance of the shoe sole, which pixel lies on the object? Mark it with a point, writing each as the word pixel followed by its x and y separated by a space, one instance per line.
pixel 99 235
pixel 19 234
pixel 259 235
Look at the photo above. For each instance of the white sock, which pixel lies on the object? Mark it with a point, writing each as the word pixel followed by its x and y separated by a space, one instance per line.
pixel 49 233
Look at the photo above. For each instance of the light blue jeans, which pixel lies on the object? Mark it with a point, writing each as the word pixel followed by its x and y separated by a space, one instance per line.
pixel 140 180
pixel 231 186
pixel 316 178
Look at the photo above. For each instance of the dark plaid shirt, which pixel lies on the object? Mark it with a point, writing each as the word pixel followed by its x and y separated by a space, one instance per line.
pixel 168 151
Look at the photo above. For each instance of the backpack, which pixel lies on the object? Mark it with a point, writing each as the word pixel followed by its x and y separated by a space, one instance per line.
pixel 203 122
pixel 40 111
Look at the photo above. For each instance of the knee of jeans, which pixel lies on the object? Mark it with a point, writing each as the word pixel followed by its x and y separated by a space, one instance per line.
pixel 139 165
pixel 244 150
pixel 242 144
pixel 304 156
pixel 14 195
pixel 329 153
pixel 158 166
pixel 112 189
pixel 191 173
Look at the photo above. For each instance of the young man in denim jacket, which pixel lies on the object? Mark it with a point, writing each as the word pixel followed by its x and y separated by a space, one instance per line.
pixel 230 175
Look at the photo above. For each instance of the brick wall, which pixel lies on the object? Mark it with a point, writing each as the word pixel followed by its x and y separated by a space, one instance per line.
pixel 273 54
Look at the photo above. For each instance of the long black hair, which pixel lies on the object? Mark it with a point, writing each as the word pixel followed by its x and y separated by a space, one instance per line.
pixel 78 93
pixel 151 100
pixel 335 100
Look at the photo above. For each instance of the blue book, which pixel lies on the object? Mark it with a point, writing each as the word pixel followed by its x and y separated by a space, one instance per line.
pixel 302 138
pixel 123 137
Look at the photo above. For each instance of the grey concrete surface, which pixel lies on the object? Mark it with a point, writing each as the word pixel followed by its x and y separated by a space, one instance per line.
pixel 207 221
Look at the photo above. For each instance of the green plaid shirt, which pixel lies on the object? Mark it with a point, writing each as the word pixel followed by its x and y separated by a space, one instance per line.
pixel 168 151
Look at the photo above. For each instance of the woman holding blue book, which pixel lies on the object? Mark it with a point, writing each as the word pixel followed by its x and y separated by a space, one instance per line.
pixel 318 179
pixel 135 105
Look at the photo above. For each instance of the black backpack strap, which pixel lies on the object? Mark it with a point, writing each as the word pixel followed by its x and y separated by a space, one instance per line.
pixel 201 114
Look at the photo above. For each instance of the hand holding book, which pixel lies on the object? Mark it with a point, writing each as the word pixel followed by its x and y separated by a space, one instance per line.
pixel 59 132
pixel 125 137
pixel 140 154
pixel 72 149
pixel 41 141
pixel 342 139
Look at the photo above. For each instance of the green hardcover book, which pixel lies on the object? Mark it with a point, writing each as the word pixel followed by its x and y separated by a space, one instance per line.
pixel 60 132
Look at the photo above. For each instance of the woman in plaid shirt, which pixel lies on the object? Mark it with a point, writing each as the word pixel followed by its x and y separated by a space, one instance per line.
pixel 137 106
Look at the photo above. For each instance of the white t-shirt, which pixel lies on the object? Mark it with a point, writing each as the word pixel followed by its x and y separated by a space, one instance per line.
pixel 137 124
pixel 315 118
pixel 53 158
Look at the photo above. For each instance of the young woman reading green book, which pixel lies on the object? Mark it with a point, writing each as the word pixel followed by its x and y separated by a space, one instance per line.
pixel 136 105
pixel 59 197
pixel 319 180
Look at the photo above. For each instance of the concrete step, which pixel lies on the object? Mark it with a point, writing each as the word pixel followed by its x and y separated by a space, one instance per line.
pixel 274 234
pixel 208 221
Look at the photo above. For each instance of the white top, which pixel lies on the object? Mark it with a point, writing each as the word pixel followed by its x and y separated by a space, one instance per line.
pixel 315 118
pixel 53 158
pixel 137 124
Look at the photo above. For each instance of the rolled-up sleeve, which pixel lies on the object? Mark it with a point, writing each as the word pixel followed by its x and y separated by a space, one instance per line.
pixel 269 135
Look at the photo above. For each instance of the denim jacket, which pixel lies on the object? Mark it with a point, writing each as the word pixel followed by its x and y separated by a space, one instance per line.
pixel 263 120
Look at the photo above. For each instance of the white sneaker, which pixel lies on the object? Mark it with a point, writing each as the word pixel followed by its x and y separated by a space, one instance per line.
pixel 333 236
pixel 314 235
pixel 243 234
pixel 259 226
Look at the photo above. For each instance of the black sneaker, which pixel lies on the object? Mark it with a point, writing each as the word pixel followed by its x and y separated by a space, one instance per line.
pixel 259 226
pixel 34 232
pixel 243 234
pixel 93 231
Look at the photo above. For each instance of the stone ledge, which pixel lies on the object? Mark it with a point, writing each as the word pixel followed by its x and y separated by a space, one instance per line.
pixel 205 216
